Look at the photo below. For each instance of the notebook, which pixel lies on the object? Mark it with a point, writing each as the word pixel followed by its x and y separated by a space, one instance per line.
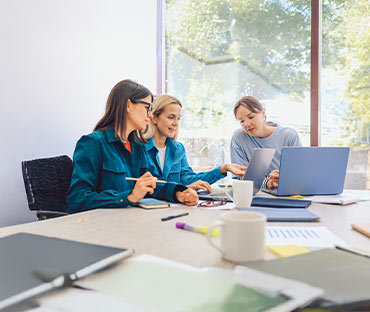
pixel 311 171
pixel 33 264
pixel 256 172
pixel 344 276
pixel 285 214
pixel 280 202
pixel 152 203
pixel 340 199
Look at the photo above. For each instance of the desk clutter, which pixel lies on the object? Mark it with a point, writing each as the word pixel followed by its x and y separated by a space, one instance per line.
pixel 187 288
pixel 307 266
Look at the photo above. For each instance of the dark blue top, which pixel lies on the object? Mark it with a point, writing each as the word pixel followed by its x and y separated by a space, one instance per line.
pixel 176 167
pixel 101 164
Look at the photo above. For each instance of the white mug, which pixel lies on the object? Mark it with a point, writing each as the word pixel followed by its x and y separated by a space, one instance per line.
pixel 242 236
pixel 242 193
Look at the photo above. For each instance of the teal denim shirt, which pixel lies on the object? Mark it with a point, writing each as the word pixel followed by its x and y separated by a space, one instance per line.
pixel 176 167
pixel 101 164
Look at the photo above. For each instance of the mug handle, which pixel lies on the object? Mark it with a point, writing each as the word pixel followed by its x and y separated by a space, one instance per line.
pixel 209 235
pixel 228 195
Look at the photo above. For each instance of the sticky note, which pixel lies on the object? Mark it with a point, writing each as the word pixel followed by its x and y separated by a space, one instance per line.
pixel 287 250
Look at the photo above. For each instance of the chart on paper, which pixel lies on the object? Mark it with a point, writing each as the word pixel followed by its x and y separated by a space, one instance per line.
pixel 308 236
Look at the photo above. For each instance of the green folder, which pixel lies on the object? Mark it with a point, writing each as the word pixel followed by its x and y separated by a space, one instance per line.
pixel 344 276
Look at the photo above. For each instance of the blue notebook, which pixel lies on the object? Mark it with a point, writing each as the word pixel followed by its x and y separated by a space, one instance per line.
pixel 280 202
pixel 285 214
pixel 151 203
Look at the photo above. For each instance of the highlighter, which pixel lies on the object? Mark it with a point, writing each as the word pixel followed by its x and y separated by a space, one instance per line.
pixel 202 230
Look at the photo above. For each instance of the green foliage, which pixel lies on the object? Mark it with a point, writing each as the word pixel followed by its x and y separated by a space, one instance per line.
pixel 357 28
pixel 262 48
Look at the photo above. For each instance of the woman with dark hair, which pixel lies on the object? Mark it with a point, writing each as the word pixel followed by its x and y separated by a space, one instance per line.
pixel 115 150
pixel 168 156
pixel 255 133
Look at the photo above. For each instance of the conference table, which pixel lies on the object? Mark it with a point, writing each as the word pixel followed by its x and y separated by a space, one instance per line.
pixel 144 231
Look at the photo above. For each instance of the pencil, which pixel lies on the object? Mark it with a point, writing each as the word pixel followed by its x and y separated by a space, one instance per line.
pixel 135 179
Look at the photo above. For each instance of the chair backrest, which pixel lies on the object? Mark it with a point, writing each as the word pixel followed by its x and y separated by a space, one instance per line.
pixel 46 181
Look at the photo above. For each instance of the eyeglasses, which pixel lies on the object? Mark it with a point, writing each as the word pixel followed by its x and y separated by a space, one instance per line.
pixel 149 105
pixel 214 203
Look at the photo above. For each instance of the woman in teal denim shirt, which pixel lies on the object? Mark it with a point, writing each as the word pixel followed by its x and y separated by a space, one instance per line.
pixel 168 156
pixel 115 150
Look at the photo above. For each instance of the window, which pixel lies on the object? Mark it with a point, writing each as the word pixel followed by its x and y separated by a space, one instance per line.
pixel 345 111
pixel 220 50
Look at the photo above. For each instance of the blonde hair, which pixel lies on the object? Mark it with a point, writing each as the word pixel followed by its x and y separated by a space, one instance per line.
pixel 159 105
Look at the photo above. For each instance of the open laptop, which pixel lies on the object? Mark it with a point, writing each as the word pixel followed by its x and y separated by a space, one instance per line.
pixel 256 172
pixel 311 171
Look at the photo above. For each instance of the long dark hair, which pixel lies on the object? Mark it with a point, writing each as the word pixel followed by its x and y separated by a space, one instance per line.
pixel 115 115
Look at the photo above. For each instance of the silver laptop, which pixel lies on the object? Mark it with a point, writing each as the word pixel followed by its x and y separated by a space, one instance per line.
pixel 311 171
pixel 256 172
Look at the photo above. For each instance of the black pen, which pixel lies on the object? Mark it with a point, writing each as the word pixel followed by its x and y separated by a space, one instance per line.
pixel 176 216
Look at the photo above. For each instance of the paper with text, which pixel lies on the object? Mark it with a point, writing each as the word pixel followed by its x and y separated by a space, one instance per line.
pixel 308 236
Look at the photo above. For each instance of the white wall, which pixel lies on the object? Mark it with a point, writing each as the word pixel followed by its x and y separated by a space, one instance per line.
pixel 58 61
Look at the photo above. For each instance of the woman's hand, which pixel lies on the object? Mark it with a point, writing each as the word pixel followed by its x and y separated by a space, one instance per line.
pixel 200 185
pixel 234 169
pixel 145 184
pixel 188 197
pixel 273 180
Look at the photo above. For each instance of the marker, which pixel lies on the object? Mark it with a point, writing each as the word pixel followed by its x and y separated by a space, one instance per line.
pixel 202 230
pixel 176 216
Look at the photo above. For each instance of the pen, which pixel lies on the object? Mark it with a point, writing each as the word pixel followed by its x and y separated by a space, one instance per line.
pixel 175 216
pixel 202 230
pixel 135 179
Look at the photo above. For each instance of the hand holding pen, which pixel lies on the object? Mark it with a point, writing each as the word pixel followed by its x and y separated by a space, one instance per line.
pixel 145 184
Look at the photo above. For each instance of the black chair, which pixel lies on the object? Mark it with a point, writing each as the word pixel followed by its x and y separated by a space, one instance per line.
pixel 46 181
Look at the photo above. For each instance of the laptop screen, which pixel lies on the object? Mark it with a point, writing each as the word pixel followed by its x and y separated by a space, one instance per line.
pixel 312 170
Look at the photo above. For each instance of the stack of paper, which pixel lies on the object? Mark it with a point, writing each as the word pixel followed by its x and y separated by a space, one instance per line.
pixel 155 284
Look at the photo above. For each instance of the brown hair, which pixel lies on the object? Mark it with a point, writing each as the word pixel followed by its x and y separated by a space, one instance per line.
pixel 115 115
pixel 249 102
pixel 159 105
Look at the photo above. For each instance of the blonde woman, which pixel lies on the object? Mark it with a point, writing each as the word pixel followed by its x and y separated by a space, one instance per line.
pixel 168 156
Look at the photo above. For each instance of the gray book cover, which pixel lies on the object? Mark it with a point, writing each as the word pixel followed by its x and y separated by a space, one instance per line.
pixel 344 276
pixel 30 263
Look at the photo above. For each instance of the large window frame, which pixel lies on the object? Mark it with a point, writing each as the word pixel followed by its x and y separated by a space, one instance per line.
pixel 315 63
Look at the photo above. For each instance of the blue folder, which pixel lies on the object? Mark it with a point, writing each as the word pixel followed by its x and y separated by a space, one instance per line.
pixel 280 202
pixel 285 214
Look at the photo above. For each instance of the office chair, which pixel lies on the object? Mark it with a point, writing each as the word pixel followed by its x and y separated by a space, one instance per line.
pixel 46 181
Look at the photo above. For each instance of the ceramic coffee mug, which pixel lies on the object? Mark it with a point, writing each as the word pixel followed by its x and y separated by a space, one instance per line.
pixel 242 236
pixel 242 193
